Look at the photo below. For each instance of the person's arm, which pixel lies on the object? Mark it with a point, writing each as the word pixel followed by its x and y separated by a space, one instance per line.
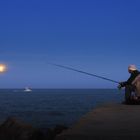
pixel 123 84
pixel 128 82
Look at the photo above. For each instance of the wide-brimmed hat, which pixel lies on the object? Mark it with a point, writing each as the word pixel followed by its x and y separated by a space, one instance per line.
pixel 132 67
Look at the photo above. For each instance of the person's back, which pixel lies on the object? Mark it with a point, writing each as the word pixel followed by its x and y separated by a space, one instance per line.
pixel 136 83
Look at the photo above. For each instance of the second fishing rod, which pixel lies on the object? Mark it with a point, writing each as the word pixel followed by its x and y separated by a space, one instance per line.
pixel 80 71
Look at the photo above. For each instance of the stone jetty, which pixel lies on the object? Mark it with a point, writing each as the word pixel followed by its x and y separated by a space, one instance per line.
pixel 109 122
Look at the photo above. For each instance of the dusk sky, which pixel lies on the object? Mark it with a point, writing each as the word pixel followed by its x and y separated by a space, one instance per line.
pixel 96 36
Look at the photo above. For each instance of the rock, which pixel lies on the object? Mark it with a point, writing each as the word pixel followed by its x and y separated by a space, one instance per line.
pixel 59 129
pixel 13 129
pixel 51 133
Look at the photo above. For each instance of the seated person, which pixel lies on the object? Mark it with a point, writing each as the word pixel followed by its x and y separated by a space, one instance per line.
pixel 132 85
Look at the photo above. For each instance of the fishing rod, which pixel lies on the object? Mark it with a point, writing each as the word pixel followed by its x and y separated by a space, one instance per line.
pixel 69 68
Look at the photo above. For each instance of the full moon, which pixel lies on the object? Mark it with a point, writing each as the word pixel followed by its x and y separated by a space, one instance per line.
pixel 2 68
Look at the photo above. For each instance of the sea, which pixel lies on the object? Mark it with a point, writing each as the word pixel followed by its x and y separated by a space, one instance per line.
pixel 46 108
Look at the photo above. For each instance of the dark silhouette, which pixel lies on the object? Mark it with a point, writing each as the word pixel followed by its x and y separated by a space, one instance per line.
pixel 132 86
pixel 14 129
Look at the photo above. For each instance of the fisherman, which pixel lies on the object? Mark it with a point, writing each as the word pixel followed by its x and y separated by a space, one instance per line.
pixel 132 85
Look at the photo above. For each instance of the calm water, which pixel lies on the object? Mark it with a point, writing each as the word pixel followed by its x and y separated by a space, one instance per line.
pixel 47 108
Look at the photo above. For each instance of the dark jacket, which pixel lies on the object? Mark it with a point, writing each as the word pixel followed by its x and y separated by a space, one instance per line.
pixel 133 75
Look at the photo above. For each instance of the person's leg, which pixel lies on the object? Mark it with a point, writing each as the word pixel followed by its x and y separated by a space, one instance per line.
pixel 128 91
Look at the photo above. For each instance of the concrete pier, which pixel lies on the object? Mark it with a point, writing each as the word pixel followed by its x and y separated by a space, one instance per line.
pixel 109 122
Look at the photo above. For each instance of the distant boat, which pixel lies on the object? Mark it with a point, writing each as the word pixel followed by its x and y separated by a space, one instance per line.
pixel 27 89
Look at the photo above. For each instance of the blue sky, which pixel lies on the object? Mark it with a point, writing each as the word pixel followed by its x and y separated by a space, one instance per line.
pixel 96 36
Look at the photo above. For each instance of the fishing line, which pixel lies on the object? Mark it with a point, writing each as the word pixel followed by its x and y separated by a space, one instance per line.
pixel 80 71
